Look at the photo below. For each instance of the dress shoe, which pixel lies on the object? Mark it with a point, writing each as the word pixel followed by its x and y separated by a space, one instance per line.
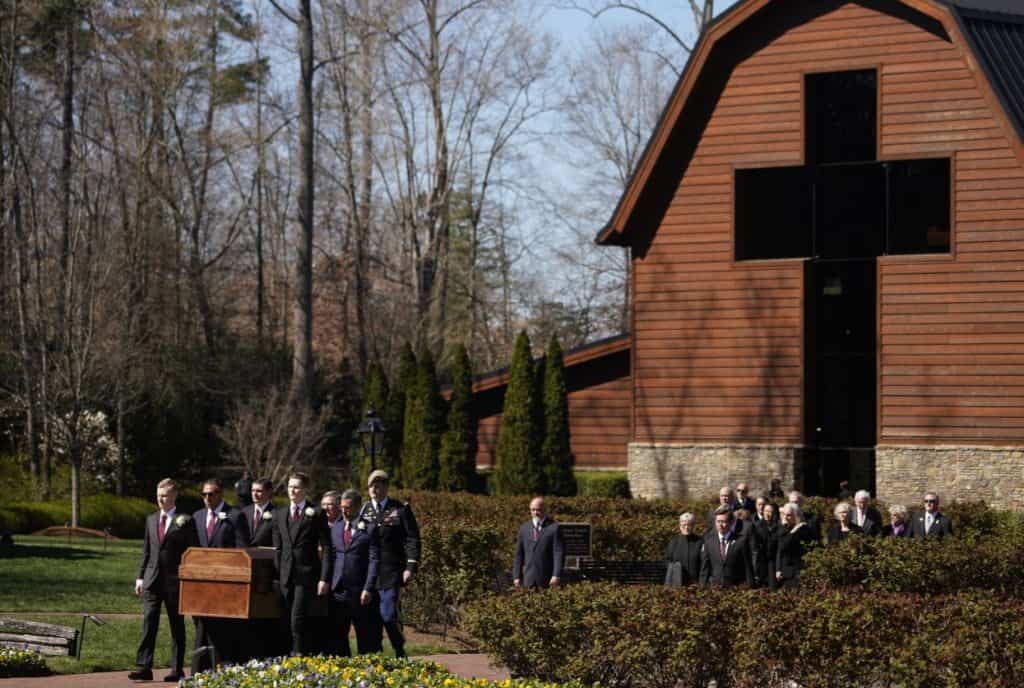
pixel 173 678
pixel 141 675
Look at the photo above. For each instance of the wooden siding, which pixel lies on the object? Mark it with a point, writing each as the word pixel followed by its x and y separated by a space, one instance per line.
pixel 600 392
pixel 718 344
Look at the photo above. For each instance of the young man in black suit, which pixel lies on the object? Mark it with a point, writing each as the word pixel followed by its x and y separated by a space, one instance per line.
pixel 259 516
pixel 168 534
pixel 932 523
pixel 299 530
pixel 727 561
pixel 540 551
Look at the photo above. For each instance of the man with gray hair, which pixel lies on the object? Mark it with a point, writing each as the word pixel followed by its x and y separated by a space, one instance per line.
pixel 865 515
pixel 932 523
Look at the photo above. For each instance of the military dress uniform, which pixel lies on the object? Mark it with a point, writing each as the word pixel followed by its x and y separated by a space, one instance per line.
pixel 399 550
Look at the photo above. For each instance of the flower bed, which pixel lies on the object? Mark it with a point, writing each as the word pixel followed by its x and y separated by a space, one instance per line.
pixel 342 672
pixel 21 663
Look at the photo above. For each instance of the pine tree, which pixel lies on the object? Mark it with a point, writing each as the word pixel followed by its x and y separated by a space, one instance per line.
pixel 458 444
pixel 394 416
pixel 556 452
pixel 539 475
pixel 517 439
pixel 375 396
pixel 424 424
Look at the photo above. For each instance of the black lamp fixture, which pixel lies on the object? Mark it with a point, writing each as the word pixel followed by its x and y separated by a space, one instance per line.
pixel 371 434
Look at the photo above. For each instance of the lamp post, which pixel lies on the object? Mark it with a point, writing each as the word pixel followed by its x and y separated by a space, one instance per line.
pixel 371 435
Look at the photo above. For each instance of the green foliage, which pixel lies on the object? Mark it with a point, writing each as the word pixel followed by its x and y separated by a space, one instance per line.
pixel 458 444
pixel 638 636
pixel 125 516
pixel 375 396
pixel 424 423
pixel 394 417
pixel 517 472
pixel 602 484
pixel 15 663
pixel 339 391
pixel 556 453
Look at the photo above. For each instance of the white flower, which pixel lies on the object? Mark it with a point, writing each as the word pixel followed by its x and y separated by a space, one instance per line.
pixel 361 525
pixel 222 515
pixel 267 516
pixel 181 520
pixel 309 511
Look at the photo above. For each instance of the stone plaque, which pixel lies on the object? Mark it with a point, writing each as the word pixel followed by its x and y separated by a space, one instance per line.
pixel 576 537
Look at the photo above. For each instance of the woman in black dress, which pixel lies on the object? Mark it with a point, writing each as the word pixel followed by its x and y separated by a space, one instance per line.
pixel 842 527
pixel 767 532
pixel 795 540
pixel 684 548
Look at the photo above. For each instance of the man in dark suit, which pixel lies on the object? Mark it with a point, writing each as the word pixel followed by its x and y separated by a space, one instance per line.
pixel 724 499
pixel 168 534
pixel 726 561
pixel 865 515
pixel 539 550
pixel 743 500
pixel 932 523
pixel 218 524
pixel 299 530
pixel 399 553
pixel 259 516
pixel 356 562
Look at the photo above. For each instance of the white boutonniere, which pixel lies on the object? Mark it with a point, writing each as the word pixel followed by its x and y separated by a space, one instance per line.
pixel 267 516
pixel 309 511
pixel 361 525
pixel 222 515
pixel 181 520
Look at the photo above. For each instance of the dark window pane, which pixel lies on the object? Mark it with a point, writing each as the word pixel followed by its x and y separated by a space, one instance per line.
pixel 919 206
pixel 773 213
pixel 850 211
pixel 841 119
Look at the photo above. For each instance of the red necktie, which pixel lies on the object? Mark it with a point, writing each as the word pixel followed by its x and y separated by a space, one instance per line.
pixel 348 535
pixel 721 548
pixel 162 530
pixel 255 519
pixel 295 513
pixel 210 523
pixel 536 533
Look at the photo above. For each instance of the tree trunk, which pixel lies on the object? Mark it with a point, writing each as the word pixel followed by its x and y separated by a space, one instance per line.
pixel 302 361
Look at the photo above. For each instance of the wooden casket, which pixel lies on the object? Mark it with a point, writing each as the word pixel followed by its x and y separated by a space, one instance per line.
pixel 229 583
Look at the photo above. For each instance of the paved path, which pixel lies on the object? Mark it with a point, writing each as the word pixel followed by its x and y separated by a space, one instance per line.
pixel 469 665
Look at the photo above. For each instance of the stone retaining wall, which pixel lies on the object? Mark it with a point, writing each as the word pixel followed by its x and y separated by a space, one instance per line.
pixel 695 471
pixel 993 474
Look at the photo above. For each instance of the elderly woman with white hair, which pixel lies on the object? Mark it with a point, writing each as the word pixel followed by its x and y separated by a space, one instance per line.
pixel 899 522
pixel 842 527
pixel 683 554
pixel 794 541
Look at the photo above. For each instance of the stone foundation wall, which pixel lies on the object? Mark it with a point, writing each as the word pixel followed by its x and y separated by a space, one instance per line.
pixel 993 474
pixel 696 471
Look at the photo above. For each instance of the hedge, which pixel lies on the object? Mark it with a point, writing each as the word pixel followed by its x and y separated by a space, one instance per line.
pixel 125 516
pixel 638 636
pixel 601 484
pixel 372 671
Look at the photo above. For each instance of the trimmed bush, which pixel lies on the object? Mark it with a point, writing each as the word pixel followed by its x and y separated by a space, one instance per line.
pixel 18 663
pixel 394 417
pixel 458 444
pixel 371 671
pixel 125 516
pixel 555 451
pixel 639 636
pixel 424 423
pixel 602 484
pixel 516 471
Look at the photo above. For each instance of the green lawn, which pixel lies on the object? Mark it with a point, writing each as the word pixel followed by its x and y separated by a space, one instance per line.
pixel 65 580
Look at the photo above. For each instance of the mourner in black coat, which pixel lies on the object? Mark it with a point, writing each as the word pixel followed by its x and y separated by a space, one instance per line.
pixel 168 534
pixel 540 552
pixel 259 516
pixel 727 558
pixel 841 527
pixel 899 525
pixel 767 533
pixel 684 553
pixel 795 540
pixel 399 553
pixel 865 515
pixel 932 523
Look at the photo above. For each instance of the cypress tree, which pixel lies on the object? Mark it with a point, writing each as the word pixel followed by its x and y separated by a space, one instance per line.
pixel 556 452
pixel 458 444
pixel 375 396
pixel 517 439
pixel 394 416
pixel 424 420
pixel 540 476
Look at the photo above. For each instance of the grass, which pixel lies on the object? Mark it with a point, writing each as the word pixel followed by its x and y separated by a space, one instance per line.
pixel 65 580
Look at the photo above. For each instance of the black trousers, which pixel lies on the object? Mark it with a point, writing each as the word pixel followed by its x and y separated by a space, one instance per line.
pixel 220 634
pixel 298 601
pixel 343 612
pixel 167 596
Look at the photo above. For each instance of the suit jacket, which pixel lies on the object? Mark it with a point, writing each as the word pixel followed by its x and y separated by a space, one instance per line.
pixel 263 536
pixel 355 566
pixel 789 558
pixel 767 535
pixel 940 527
pixel 737 567
pixel 835 534
pixel 687 550
pixel 399 540
pixel 159 566
pixel 230 529
pixel 872 520
pixel 536 562
pixel 297 545
pixel 747 504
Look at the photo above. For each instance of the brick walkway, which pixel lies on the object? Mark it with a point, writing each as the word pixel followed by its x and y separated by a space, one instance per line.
pixel 468 665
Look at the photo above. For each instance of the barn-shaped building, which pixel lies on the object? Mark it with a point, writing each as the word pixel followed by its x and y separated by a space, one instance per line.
pixel 827 233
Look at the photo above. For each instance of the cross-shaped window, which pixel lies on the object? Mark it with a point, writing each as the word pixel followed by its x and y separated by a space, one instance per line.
pixel 844 203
